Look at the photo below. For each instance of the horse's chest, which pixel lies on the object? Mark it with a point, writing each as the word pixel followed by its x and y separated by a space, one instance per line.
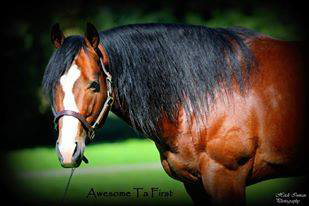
pixel 182 163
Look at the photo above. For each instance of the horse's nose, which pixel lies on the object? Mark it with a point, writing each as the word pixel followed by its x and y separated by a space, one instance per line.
pixel 69 156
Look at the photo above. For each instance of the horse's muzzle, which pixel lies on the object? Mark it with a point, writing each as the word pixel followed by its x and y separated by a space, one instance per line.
pixel 70 159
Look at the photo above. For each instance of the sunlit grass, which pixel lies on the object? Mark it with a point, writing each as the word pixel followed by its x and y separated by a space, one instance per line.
pixel 126 152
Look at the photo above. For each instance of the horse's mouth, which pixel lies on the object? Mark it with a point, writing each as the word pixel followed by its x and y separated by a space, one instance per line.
pixel 75 164
pixel 69 160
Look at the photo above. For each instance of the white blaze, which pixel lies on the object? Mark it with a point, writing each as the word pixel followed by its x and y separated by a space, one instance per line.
pixel 69 124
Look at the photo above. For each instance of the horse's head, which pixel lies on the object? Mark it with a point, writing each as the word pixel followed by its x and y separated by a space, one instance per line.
pixel 81 95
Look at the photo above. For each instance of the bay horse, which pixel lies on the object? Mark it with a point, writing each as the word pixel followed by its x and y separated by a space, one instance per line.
pixel 224 106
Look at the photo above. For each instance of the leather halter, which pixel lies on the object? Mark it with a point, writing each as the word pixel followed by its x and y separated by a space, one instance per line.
pixel 90 129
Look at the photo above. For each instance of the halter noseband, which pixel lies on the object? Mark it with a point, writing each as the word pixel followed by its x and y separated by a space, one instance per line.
pixel 90 129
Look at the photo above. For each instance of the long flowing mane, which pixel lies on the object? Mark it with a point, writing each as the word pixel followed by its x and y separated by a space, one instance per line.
pixel 158 68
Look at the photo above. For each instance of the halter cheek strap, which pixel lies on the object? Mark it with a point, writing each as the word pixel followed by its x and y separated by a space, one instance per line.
pixel 109 100
pixel 90 129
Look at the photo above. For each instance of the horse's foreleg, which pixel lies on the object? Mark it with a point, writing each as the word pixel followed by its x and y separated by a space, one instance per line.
pixel 197 193
pixel 224 186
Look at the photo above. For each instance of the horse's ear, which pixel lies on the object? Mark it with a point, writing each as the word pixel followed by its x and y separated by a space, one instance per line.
pixel 57 36
pixel 91 36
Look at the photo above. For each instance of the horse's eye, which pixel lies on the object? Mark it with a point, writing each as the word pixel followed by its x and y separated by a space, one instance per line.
pixel 94 86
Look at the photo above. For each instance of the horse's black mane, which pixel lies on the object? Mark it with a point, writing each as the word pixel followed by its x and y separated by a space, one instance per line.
pixel 60 61
pixel 158 68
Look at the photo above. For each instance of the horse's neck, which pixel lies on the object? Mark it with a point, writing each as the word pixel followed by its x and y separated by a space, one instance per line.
pixel 121 112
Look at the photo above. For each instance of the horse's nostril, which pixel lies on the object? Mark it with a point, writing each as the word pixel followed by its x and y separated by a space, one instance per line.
pixel 77 153
pixel 75 149
pixel 59 153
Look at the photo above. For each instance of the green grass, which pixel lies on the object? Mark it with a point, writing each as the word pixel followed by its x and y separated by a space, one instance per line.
pixel 41 188
pixel 49 189
pixel 131 151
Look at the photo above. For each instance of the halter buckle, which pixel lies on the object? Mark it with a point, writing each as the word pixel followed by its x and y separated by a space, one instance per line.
pixel 91 134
